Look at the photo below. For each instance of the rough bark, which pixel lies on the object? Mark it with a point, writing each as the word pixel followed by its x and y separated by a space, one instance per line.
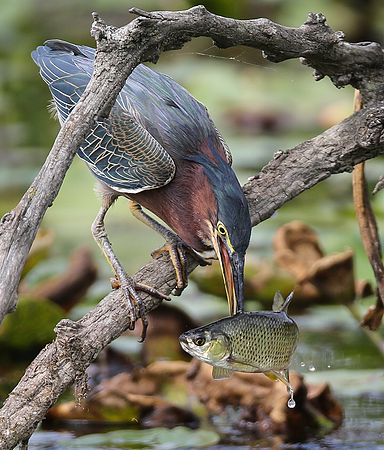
pixel 356 139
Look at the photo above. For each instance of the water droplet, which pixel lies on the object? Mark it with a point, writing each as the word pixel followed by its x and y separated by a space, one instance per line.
pixel 302 364
pixel 291 403
pixel 311 368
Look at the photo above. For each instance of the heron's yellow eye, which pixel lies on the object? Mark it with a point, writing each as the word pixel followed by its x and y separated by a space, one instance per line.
pixel 221 229
pixel 199 341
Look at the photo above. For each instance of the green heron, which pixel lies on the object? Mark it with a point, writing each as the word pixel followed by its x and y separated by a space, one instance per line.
pixel 160 149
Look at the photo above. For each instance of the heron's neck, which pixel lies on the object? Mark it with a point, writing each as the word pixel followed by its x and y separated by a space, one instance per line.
pixel 185 204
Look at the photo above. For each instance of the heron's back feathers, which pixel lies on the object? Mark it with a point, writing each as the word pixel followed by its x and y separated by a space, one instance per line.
pixel 154 122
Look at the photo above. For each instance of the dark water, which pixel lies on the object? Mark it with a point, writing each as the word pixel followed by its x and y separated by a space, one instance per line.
pixel 363 425
pixel 363 428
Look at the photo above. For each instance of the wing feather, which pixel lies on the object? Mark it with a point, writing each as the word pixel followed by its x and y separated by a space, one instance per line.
pixel 119 150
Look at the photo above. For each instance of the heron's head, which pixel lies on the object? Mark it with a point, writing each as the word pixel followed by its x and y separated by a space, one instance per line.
pixel 230 235
pixel 218 216
pixel 228 227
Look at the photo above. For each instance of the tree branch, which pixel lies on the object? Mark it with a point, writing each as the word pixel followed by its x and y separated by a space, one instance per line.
pixel 337 150
pixel 119 50
pixel 370 236
pixel 78 343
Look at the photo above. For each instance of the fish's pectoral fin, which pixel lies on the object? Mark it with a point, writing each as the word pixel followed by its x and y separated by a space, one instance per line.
pixel 219 373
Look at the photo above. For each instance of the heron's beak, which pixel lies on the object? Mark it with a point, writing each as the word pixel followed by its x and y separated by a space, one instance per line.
pixel 232 268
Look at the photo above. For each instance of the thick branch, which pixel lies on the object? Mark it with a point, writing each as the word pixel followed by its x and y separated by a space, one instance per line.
pixel 65 360
pixel 318 46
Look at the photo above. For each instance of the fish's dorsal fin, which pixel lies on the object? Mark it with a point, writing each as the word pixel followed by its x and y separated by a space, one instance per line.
pixel 279 304
pixel 219 373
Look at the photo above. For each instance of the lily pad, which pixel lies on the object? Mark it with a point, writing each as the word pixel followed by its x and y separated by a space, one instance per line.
pixel 158 438
pixel 29 327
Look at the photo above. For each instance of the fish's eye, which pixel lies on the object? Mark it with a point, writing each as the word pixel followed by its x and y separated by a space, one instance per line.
pixel 199 341
pixel 221 229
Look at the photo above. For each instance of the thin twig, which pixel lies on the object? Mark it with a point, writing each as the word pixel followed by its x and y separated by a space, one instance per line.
pixel 369 235
pixel 371 335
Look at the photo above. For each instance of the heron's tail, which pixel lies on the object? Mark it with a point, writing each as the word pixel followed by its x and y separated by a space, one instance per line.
pixel 67 69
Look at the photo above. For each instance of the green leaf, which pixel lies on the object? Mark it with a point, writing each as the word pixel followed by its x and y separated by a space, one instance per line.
pixel 158 438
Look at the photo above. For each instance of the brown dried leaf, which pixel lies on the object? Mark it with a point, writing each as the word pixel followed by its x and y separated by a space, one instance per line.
pixel 69 287
pixel 319 278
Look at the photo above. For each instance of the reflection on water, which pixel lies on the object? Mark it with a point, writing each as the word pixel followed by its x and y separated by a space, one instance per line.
pixel 363 426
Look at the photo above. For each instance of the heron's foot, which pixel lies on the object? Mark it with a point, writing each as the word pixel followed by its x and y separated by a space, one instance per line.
pixel 130 290
pixel 177 250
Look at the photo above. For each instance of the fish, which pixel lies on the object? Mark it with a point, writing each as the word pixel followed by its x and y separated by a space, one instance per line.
pixel 256 342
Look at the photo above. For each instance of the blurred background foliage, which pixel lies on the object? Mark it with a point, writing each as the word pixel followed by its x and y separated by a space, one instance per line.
pixel 259 107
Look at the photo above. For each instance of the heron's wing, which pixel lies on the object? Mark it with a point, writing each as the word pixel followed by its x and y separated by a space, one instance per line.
pixel 172 115
pixel 118 150
pixel 122 154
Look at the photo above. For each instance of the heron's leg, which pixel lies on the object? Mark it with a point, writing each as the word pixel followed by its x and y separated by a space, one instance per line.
pixel 127 284
pixel 173 245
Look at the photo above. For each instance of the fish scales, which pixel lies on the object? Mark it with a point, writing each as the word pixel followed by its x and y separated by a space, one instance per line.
pixel 259 341
pixel 264 339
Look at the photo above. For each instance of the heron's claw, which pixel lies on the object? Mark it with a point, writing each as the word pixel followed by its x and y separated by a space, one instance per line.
pixel 137 310
pixel 177 250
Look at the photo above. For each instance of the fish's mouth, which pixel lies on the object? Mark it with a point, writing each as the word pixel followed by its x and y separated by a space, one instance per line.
pixel 183 339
